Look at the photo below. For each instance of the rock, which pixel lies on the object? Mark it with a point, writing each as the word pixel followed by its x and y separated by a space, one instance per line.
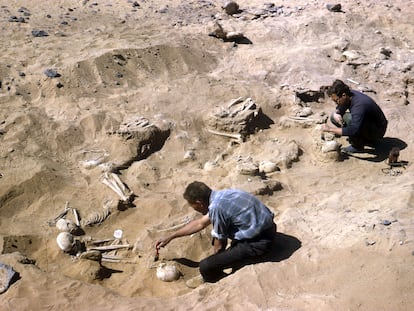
pixel 51 73
pixel 39 33
pixel 334 7
pixel 386 222
pixel 7 276
pixel 231 7
pixel 268 167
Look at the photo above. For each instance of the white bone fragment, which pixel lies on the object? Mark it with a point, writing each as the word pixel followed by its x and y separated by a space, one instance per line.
pixel 353 81
pixel 238 137
pixel 235 102
pixel 100 241
pixel 77 219
pixel 113 181
pixel 114 186
pixel 109 247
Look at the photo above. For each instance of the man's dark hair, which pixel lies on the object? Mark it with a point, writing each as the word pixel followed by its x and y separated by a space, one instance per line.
pixel 197 191
pixel 339 88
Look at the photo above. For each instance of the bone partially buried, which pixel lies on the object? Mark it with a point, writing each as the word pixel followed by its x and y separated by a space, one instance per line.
pixel 168 272
pixel 65 241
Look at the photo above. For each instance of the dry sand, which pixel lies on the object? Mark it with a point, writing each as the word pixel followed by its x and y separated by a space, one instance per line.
pixel 118 60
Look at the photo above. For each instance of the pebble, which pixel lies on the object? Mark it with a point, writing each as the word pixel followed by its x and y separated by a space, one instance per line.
pixel 231 7
pixel 39 33
pixel 386 222
pixel 16 19
pixel 51 73
pixel 334 7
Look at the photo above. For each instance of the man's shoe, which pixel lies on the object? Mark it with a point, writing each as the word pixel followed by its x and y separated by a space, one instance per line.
pixel 351 149
pixel 195 282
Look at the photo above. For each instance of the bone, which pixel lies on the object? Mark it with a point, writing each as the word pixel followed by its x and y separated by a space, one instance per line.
pixel 114 182
pixel 98 217
pixel 109 247
pixel 52 222
pixel 238 137
pixel 235 102
pixel 76 214
pixel 100 241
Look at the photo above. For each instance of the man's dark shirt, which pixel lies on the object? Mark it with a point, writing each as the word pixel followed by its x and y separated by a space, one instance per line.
pixel 363 110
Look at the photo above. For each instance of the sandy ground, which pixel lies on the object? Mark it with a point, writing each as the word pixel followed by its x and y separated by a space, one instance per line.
pixel 346 224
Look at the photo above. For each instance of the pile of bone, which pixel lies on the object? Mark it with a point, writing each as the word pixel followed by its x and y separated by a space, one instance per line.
pixel 236 120
pixel 326 148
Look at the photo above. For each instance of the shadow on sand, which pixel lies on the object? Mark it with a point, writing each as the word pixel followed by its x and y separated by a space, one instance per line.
pixel 380 152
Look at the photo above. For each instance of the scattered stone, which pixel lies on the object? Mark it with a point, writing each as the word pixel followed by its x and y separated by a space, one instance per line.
pixel 16 19
pixel 268 167
pixel 231 7
pixel 51 73
pixel 7 276
pixel 386 52
pixel 27 261
pixel 162 10
pixel 334 7
pixel 386 222
pixel 369 243
pixel 219 33
pixel 39 33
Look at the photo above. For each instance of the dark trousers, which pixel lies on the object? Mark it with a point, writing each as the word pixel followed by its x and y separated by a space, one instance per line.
pixel 237 255
pixel 369 132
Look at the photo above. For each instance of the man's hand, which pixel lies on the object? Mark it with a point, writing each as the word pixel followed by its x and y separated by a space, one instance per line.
pixel 338 118
pixel 162 242
pixel 219 245
pixel 325 128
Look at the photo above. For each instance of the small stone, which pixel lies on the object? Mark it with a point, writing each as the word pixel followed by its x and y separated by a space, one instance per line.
pixel 334 7
pixel 39 33
pixel 386 52
pixel 386 222
pixel 51 73
pixel 231 7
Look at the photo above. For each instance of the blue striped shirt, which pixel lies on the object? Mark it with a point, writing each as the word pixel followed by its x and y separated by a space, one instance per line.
pixel 238 215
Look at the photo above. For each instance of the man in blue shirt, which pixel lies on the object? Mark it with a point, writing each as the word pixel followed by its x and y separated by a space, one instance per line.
pixel 235 215
pixel 365 122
